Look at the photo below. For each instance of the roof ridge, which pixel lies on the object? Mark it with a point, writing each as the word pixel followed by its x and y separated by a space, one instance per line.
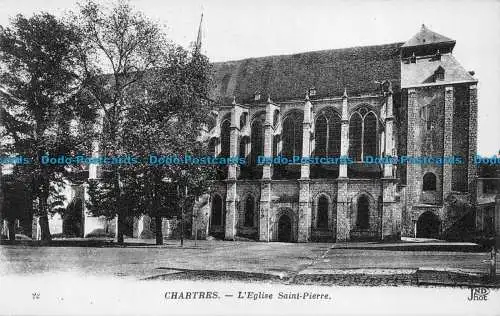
pixel 309 52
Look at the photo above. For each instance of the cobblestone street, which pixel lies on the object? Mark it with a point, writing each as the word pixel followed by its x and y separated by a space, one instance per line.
pixel 357 279
pixel 287 263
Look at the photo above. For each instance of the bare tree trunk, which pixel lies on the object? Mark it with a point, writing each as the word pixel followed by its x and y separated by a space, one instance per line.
pixel 12 229
pixel 119 228
pixel 44 219
pixel 44 228
pixel 43 198
pixel 118 207
pixel 156 210
pixel 158 228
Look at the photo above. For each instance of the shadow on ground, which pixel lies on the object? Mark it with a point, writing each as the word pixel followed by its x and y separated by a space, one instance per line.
pixel 217 275
pixel 86 242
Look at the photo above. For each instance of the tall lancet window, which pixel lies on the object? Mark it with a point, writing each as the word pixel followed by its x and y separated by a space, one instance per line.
pixel 327 134
pixel 363 134
pixel 292 134
pixel 355 136
pixel 370 135
pixel 225 138
pixel 257 138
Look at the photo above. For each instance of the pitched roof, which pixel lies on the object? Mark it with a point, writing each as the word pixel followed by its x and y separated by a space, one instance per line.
pixel 427 37
pixel 288 77
pixel 422 72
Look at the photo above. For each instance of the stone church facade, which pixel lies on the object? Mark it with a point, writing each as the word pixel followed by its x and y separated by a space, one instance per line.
pixel 400 99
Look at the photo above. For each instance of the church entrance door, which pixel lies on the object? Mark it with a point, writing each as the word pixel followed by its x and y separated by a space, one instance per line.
pixel 428 226
pixel 285 228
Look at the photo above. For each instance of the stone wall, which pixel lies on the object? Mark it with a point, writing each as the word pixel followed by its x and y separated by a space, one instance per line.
pixel 284 199
pixel 445 132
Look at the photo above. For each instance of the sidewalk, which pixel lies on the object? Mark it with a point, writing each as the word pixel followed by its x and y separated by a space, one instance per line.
pixel 396 277
pixel 413 244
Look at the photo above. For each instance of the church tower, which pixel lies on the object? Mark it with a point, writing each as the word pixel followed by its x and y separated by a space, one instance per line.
pixel 441 103
pixel 198 45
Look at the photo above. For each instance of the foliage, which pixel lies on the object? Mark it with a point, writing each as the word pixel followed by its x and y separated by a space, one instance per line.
pixel 17 197
pixel 106 62
pixel 154 101
pixel 42 96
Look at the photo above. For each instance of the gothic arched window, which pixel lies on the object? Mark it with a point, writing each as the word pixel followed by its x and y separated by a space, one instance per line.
pixel 292 135
pixel 363 213
pixel 243 147
pixel 321 135
pixel 429 182
pixel 225 138
pixel 370 135
pixel 276 140
pixel 327 135
pixel 355 136
pixel 322 213
pixel 257 138
pixel 249 211
pixel 363 134
pixel 429 114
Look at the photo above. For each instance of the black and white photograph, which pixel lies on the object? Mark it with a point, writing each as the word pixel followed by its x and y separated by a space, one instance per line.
pixel 218 157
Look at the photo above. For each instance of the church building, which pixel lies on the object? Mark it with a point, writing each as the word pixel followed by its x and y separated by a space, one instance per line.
pixel 409 99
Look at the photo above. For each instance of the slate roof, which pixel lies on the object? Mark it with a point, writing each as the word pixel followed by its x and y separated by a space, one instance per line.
pixel 427 42
pixel 421 72
pixel 288 77
pixel 427 37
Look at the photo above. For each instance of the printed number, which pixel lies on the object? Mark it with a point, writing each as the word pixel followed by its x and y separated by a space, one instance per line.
pixel 35 295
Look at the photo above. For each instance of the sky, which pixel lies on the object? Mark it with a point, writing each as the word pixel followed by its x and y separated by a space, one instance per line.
pixel 239 29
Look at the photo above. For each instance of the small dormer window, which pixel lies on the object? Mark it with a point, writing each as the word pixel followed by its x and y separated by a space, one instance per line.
pixel 439 74
pixel 312 91
pixel 256 96
pixel 438 55
pixel 413 59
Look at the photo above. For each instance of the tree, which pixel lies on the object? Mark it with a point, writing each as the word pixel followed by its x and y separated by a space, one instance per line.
pixel 170 114
pixel 166 110
pixel 121 46
pixel 41 91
